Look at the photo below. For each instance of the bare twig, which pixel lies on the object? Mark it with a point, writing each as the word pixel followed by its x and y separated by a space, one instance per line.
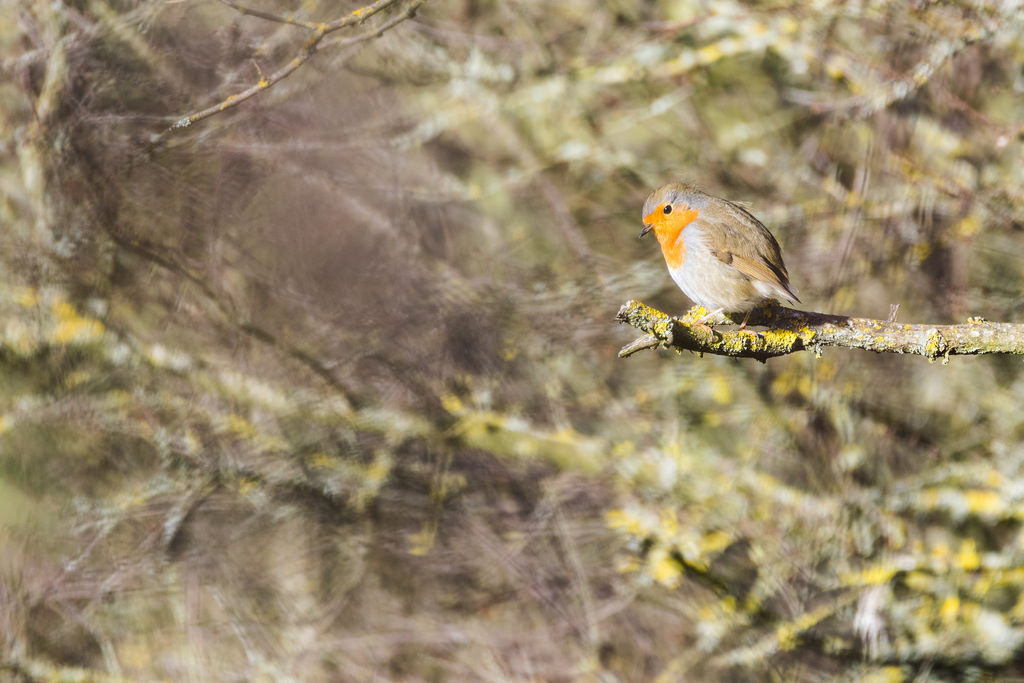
pixel 320 30
pixel 312 25
pixel 378 31
pixel 790 331
pixel 153 254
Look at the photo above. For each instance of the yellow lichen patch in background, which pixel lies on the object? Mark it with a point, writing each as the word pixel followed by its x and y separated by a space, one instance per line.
pixel 452 403
pixel 950 610
pixel 967 558
pixel 75 378
pixel 664 568
pixel 791 381
pixel 506 433
pixel 623 449
pixel 73 328
pixel 320 459
pixel 236 424
pixel 714 542
pixel 885 674
pixel 421 542
pixel 247 485
pixel 26 296
pixel 54 321
pixel 968 226
pixel 872 576
pixel 1016 613
pixel 379 469
pixel 983 503
pixel 634 523
pixel 721 389
pixel 670 537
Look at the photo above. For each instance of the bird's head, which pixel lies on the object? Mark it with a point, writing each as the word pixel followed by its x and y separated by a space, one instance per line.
pixel 671 208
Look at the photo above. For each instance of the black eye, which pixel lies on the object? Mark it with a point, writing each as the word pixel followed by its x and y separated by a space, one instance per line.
pixel 668 208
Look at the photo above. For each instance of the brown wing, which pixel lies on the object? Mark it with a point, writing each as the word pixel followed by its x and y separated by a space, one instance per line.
pixel 752 250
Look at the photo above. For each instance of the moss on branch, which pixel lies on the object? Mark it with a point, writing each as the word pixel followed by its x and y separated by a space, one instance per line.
pixel 790 330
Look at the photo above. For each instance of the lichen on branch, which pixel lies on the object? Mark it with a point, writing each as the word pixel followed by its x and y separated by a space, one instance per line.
pixel 789 330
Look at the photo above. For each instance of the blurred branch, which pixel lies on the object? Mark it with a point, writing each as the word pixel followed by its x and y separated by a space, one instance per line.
pixel 39 669
pixel 311 25
pixel 890 87
pixel 156 256
pixel 791 331
pixel 320 30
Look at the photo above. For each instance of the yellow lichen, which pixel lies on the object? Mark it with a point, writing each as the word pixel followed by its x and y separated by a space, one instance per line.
pixel 72 327
pixel 452 403
pixel 378 470
pixel 968 226
pixel 872 576
pixel 623 449
pixel 968 558
pixel 421 542
pixel 320 459
pixel 786 636
pixel 664 568
pixel 949 610
pixel 886 674
pixel 721 390
pixel 668 524
pixel 715 541
pixel 934 346
pixel 628 521
pixel 26 296
pixel 238 425
pixel 247 485
pixel 982 502
pixel 709 54
pixel 227 103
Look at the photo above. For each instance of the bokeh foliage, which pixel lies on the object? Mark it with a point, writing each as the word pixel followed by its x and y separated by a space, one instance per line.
pixel 326 387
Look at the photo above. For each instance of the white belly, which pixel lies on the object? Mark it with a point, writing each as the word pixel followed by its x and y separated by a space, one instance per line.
pixel 713 284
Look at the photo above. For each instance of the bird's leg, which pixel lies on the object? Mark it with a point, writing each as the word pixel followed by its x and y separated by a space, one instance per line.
pixel 704 320
pixel 745 319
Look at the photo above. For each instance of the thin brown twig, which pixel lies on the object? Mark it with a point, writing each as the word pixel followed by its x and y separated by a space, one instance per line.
pixel 306 52
pixel 379 30
pixel 154 255
pixel 312 25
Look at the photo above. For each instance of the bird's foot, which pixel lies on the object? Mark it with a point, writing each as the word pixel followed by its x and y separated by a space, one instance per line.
pixel 695 320
pixel 703 320
pixel 743 325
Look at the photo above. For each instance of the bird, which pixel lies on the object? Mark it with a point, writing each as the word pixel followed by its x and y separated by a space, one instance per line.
pixel 717 252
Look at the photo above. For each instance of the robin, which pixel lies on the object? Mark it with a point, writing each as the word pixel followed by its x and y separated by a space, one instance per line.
pixel 722 257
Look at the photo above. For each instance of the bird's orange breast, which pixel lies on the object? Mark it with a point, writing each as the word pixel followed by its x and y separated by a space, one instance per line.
pixel 668 230
pixel 675 253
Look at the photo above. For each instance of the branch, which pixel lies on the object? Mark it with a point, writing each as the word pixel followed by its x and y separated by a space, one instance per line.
pixel 309 48
pixel 790 331
pixel 152 254
pixel 311 25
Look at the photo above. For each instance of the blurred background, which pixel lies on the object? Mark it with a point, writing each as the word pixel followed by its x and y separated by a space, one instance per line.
pixel 325 387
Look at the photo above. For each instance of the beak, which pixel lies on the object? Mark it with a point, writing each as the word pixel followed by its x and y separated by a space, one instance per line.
pixel 647 228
